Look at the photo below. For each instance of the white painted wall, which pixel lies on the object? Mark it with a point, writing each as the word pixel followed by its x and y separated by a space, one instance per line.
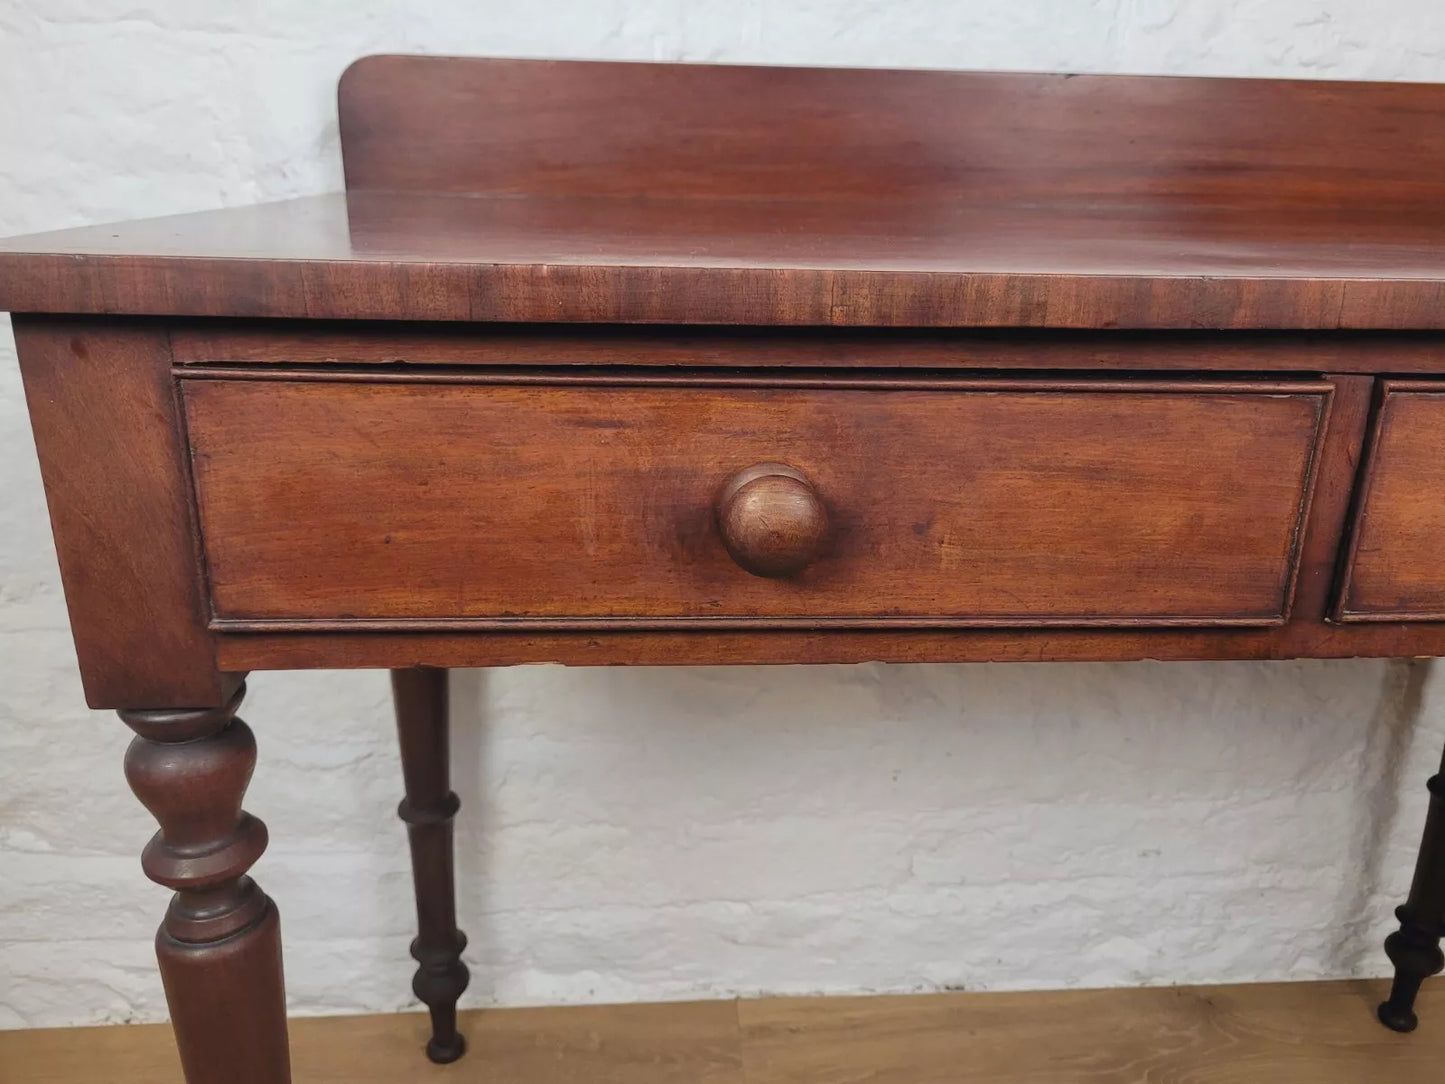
pixel 652 833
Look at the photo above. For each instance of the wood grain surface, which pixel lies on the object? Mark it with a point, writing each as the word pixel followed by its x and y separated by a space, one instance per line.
pixel 219 945
pixel 335 503
pixel 423 730
pixel 408 124
pixel 1305 1033
pixel 1394 567
pixel 107 431
pixel 495 190
pixel 321 342
pixel 387 256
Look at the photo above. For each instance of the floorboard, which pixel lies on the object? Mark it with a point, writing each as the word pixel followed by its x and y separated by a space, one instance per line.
pixel 1299 1033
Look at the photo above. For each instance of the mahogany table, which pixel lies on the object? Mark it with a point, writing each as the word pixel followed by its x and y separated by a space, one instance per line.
pixel 628 363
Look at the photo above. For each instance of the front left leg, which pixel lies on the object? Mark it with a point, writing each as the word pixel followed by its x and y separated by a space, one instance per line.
pixel 220 944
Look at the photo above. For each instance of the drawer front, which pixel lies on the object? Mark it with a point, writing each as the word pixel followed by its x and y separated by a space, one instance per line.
pixel 339 501
pixel 1395 570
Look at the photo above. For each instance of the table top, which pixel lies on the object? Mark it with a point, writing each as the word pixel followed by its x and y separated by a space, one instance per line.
pixel 461 246
pixel 736 195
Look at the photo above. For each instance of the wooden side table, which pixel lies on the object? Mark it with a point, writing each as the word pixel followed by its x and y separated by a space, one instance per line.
pixel 627 363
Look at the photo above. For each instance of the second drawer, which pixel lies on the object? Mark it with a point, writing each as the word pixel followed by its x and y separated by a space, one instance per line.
pixel 331 500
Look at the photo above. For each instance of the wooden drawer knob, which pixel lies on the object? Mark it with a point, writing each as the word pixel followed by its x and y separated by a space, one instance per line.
pixel 772 520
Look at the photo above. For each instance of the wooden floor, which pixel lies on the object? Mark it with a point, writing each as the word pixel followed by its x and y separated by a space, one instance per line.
pixel 1304 1033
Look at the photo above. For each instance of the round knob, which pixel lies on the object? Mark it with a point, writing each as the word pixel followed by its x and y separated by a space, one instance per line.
pixel 772 520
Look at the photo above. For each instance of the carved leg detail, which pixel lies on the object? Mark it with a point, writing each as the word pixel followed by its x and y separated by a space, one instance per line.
pixel 1414 949
pixel 220 944
pixel 428 808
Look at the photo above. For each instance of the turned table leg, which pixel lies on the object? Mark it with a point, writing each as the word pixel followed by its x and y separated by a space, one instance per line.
pixel 422 725
pixel 220 944
pixel 1414 948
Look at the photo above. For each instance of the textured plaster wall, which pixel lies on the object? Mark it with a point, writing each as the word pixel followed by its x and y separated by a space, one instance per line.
pixel 638 834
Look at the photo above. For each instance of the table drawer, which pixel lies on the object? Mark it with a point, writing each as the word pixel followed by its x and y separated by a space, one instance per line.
pixel 336 500
pixel 1395 570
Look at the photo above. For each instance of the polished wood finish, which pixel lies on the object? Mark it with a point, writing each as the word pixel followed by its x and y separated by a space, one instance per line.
pixel 945 367
pixel 1414 948
pixel 557 346
pixel 423 727
pixel 220 944
pixel 1393 572
pixel 490 190
pixel 347 504
pixel 1311 633
pixel 823 645
pixel 107 429
pixel 741 132
pixel 771 520
pixel 417 256
pixel 1296 1033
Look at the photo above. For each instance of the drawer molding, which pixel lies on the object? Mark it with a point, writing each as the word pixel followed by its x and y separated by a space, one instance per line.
pixel 1148 489
pixel 823 379
pixel 1374 567
pixel 725 624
